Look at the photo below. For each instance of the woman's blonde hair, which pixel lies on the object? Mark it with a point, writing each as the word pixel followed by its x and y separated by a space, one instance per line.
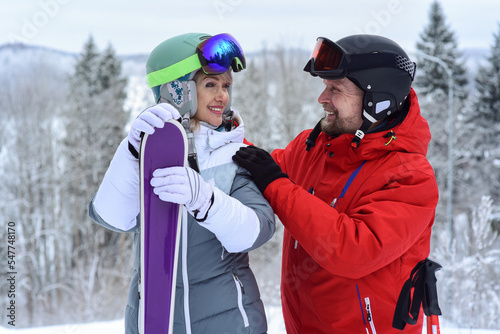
pixel 228 75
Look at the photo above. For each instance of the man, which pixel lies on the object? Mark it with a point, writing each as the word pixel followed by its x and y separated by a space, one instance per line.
pixel 356 194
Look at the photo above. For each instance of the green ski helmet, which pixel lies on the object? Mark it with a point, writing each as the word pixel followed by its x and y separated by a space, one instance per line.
pixel 172 65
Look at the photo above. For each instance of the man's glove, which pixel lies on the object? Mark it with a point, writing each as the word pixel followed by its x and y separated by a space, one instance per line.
pixel 260 164
pixel 147 121
pixel 182 185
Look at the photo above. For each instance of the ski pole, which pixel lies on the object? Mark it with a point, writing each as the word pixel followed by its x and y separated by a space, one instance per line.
pixel 430 302
pixel 419 291
pixel 433 324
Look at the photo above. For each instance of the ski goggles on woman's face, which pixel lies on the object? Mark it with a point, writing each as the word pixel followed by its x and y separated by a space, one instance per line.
pixel 215 55
pixel 220 52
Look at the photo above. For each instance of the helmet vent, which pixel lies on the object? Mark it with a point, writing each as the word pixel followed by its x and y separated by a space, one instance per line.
pixel 406 65
pixel 381 106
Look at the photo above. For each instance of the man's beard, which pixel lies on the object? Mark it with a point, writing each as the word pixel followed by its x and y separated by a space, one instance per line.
pixel 339 126
pixel 332 128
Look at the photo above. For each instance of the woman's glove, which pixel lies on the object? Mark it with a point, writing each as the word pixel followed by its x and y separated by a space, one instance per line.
pixel 147 121
pixel 182 185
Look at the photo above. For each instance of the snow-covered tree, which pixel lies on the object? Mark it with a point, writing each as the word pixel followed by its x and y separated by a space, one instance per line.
pixel 109 77
pixel 432 84
pixel 487 103
pixel 276 97
pixel 468 285
pixel 94 122
pixel 479 155
pixel 57 138
pixel 31 192
pixel 94 119
pixel 86 69
pixel 251 100
pixel 438 40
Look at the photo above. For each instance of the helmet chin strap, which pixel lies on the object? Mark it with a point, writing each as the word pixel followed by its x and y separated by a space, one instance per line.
pixel 376 107
pixel 228 105
pixel 192 155
pixel 368 120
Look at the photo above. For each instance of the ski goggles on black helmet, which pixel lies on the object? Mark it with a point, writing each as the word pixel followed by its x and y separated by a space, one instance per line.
pixel 330 61
pixel 215 55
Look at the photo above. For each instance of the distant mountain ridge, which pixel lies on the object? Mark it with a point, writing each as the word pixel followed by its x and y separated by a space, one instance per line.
pixel 133 64
pixel 12 54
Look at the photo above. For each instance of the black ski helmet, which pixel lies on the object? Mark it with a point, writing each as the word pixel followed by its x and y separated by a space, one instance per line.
pixel 377 65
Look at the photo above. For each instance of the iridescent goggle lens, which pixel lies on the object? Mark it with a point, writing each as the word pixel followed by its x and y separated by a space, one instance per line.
pixel 220 52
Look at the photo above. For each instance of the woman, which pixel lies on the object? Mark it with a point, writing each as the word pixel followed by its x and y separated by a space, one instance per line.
pixel 190 76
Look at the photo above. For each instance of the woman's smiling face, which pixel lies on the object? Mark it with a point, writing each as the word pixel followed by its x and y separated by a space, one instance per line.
pixel 213 96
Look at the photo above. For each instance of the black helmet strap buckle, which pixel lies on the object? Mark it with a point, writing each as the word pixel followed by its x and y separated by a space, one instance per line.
pixel 360 133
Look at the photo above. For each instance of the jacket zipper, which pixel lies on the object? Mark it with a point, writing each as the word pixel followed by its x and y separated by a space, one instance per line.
pixel 369 315
pixel 241 290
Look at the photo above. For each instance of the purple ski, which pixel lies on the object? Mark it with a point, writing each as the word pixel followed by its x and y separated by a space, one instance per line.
pixel 160 230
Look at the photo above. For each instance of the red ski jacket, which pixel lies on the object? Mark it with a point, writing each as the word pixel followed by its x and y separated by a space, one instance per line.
pixel 356 222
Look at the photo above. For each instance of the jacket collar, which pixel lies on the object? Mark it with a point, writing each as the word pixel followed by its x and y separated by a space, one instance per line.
pixel 208 140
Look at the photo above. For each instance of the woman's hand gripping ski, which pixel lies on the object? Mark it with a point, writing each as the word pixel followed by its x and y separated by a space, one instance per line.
pixel 183 185
pixel 151 118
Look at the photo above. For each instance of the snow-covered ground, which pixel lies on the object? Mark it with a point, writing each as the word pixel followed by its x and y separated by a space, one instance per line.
pixel 276 326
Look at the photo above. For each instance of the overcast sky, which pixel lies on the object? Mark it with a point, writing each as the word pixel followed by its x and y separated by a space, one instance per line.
pixel 133 26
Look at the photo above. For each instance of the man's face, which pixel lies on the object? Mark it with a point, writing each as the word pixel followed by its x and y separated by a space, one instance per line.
pixel 342 101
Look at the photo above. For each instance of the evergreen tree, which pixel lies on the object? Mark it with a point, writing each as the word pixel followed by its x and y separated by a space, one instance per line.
pixel 85 69
pixel 487 103
pixel 94 121
pixel 477 181
pixel 479 154
pixel 30 186
pixel 431 83
pixel 439 41
pixel 95 118
pixel 109 72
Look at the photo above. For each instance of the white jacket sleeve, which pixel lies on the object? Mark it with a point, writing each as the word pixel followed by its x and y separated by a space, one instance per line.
pixel 235 225
pixel 117 201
